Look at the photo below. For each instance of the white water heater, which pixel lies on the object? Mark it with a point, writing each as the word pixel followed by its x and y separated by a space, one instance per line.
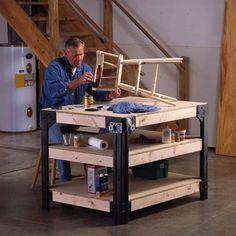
pixel 17 89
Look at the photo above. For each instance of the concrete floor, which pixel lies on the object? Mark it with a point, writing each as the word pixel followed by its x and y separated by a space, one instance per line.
pixel 21 212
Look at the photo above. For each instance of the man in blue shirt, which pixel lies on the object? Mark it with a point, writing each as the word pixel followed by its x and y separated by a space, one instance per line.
pixel 67 79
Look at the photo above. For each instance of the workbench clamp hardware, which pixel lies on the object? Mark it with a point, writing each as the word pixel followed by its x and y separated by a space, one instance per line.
pixel 119 125
pixel 131 123
pixel 115 127
pixel 202 111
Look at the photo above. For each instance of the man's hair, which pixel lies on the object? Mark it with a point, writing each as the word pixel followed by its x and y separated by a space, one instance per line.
pixel 73 42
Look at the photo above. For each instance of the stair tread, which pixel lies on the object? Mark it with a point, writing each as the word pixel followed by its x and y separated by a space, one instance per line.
pixel 36 3
pixel 92 49
pixel 45 18
pixel 33 3
pixel 76 33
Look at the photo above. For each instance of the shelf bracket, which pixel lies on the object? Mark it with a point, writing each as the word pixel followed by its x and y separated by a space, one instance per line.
pixel 202 113
pixel 48 118
pixel 119 125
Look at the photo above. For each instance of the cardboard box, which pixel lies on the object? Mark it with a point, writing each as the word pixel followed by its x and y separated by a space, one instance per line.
pixel 95 178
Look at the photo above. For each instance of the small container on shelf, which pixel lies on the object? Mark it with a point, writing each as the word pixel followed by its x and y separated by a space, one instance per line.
pixel 166 135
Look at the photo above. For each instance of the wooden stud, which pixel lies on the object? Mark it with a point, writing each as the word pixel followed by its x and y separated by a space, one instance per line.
pixel 53 25
pixel 154 85
pixel 108 26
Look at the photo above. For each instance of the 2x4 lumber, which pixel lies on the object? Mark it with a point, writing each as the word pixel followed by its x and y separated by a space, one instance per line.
pixel 53 24
pixel 107 22
pixel 148 94
pixel 26 29
pixel 152 61
pixel 184 88
pixel 76 33
pixel 138 153
pixel 45 18
pixel 119 70
pixel 108 54
pixel 155 78
pixel 87 50
pixel 226 128
pixel 142 192
pixel 110 64
pixel 32 3
pixel 138 78
pixel 77 119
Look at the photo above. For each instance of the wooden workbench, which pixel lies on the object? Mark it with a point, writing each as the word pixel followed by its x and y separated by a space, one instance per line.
pixel 127 193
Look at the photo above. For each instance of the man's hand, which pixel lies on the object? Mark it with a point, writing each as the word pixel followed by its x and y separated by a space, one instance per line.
pixel 84 79
pixel 114 94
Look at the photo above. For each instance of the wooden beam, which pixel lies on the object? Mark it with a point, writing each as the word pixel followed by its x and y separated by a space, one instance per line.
pixel 108 26
pixel 184 89
pixel 26 29
pixel 226 128
pixel 184 81
pixel 53 25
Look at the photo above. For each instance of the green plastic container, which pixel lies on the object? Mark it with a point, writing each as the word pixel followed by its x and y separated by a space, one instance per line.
pixel 153 170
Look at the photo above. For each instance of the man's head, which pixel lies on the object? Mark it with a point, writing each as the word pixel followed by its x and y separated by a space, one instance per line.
pixel 74 51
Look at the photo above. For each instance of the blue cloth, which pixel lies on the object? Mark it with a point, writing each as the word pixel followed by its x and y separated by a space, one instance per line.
pixel 131 107
pixel 55 94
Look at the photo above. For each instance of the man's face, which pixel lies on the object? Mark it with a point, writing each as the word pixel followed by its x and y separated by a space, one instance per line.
pixel 75 55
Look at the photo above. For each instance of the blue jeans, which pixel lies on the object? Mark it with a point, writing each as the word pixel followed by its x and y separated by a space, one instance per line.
pixel 55 136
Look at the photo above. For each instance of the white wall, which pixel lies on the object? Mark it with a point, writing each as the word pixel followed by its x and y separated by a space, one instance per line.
pixel 188 28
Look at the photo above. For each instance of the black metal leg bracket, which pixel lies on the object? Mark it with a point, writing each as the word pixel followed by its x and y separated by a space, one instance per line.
pixel 202 114
pixel 120 207
pixel 47 119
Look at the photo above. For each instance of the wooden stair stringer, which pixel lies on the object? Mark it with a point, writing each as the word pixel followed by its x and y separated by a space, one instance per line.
pixel 26 29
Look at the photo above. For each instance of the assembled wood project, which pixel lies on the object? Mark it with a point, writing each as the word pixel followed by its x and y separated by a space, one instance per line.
pixel 105 61
pixel 127 193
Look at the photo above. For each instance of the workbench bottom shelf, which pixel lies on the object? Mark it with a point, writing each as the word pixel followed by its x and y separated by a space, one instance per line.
pixel 142 192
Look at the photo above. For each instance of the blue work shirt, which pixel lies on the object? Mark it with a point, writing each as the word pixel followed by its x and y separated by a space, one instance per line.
pixel 55 92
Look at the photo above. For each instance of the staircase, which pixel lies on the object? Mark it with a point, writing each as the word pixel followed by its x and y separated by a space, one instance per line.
pixel 49 23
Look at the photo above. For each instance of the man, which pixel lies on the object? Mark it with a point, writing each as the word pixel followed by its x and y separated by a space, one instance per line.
pixel 67 79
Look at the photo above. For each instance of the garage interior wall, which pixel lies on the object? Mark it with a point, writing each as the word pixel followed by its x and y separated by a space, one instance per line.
pixel 187 27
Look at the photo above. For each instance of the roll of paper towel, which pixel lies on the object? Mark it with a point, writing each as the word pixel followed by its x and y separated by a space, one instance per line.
pixel 98 143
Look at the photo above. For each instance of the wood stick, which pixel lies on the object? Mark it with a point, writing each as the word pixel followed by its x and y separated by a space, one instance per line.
pixel 110 64
pixel 155 78
pixel 152 61
pixel 138 78
pixel 108 54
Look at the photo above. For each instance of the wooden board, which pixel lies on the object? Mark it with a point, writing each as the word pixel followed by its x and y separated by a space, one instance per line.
pixel 138 153
pixel 226 129
pixel 142 192
pixel 76 114
pixel 26 29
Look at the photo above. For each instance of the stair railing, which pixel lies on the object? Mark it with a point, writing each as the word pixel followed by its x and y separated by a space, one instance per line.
pixel 183 68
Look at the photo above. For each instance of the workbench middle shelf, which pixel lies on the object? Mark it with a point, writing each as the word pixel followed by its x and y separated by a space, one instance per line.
pixel 138 153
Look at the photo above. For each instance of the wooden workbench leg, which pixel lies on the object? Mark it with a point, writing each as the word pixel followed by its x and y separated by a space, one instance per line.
pixel 202 112
pixel 121 205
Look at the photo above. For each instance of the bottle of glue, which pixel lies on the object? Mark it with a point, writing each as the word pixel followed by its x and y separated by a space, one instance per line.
pixel 166 135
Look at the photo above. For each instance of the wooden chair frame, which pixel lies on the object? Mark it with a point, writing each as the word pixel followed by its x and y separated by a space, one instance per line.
pixel 104 59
